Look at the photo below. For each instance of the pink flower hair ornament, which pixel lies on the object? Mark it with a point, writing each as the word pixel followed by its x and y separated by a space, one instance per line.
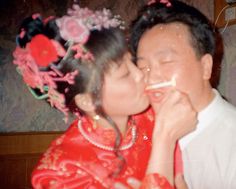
pixel 39 61
pixel 167 2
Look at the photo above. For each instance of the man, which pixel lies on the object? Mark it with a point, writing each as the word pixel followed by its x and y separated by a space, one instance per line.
pixel 174 41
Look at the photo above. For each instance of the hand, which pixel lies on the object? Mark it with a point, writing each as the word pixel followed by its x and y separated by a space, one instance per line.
pixel 132 182
pixel 135 183
pixel 175 116
pixel 180 182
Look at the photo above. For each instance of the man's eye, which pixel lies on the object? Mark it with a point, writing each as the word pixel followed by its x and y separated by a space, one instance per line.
pixel 166 61
pixel 144 69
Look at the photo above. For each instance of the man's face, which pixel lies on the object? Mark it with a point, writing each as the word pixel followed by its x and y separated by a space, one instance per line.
pixel 164 52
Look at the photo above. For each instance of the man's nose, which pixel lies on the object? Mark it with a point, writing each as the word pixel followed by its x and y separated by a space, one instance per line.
pixel 154 75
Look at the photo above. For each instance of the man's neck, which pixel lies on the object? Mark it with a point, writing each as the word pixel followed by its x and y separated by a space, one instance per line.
pixel 207 97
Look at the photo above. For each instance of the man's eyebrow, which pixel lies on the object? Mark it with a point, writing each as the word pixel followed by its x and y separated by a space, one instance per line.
pixel 166 51
pixel 158 53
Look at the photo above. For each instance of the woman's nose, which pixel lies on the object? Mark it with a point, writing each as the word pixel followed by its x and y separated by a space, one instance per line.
pixel 137 74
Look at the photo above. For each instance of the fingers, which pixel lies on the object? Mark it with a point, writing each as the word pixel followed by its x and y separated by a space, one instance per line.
pixel 171 98
pixel 180 182
pixel 119 185
pixel 175 115
pixel 176 97
pixel 133 182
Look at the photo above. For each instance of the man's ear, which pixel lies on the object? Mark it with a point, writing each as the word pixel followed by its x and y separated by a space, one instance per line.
pixel 207 63
pixel 85 102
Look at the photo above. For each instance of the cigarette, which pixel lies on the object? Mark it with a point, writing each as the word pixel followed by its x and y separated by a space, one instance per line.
pixel 171 83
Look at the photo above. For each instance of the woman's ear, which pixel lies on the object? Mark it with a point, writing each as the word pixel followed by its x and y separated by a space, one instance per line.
pixel 207 63
pixel 85 102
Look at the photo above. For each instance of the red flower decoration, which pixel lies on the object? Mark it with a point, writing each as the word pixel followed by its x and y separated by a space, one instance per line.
pixel 42 50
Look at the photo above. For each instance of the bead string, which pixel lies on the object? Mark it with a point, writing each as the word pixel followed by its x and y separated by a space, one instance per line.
pixel 108 148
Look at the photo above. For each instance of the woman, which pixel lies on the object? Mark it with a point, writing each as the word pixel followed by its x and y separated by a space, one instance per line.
pixel 80 63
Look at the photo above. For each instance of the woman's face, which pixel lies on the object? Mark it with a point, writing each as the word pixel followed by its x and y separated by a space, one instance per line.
pixel 123 90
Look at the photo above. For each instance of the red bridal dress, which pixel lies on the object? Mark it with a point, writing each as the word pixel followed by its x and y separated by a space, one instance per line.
pixel 83 157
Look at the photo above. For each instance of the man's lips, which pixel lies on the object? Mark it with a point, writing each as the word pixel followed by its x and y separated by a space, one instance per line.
pixel 155 95
pixel 156 91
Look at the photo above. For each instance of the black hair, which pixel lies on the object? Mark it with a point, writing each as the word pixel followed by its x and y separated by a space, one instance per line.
pixel 31 27
pixel 108 47
pixel 202 35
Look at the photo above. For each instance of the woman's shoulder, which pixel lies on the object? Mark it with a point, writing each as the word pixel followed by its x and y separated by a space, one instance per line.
pixel 69 146
pixel 64 157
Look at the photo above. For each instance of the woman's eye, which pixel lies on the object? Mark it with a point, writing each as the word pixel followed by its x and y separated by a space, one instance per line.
pixel 125 74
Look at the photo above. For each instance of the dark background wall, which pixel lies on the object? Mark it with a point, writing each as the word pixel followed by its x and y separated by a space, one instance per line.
pixel 19 111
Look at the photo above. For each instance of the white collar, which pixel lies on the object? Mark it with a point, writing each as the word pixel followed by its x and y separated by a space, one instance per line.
pixel 204 117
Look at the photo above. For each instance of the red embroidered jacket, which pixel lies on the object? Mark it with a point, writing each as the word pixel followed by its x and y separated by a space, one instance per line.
pixel 72 162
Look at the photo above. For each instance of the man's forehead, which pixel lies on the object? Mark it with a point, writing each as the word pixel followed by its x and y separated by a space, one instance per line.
pixel 167 32
pixel 170 29
pixel 169 50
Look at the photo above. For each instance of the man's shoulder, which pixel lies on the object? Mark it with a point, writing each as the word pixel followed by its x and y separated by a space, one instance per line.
pixel 224 107
pixel 228 110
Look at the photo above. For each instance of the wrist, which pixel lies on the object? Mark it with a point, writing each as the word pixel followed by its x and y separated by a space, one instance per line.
pixel 164 138
pixel 161 158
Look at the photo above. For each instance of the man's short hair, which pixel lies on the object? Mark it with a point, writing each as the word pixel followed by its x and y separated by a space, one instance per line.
pixel 202 35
